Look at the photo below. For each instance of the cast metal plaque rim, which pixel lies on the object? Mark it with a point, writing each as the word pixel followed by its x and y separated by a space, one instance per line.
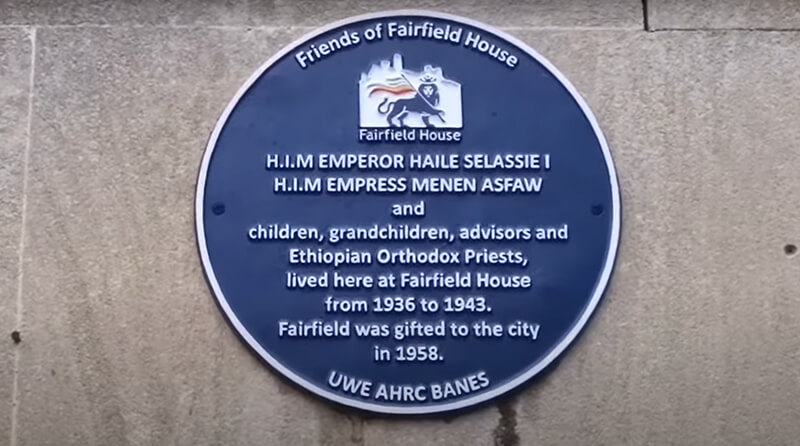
pixel 520 379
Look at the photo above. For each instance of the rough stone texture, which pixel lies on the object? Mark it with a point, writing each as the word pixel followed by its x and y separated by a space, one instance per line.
pixel 15 65
pixel 697 341
pixel 124 345
pixel 744 14
pixel 547 13
pixel 473 428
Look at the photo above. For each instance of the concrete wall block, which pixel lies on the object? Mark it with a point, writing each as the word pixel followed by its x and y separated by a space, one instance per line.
pixel 743 14
pixel 15 66
pixel 124 344
pixel 475 428
pixel 696 342
pixel 529 13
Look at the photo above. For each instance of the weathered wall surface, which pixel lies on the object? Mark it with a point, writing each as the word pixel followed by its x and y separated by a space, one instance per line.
pixel 105 107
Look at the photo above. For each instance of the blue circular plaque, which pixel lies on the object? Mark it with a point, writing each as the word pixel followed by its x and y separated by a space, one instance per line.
pixel 408 212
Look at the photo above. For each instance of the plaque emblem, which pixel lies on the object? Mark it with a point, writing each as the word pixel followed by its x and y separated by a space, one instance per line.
pixel 392 96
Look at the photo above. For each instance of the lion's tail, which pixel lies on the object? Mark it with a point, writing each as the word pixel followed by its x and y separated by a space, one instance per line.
pixel 388 107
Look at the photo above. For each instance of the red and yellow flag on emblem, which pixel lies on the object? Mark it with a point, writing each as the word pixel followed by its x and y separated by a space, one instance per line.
pixel 394 86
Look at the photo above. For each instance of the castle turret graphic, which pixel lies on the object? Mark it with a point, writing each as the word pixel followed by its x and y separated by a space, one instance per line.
pixel 392 96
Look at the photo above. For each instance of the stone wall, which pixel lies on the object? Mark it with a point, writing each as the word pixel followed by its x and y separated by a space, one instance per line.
pixel 110 335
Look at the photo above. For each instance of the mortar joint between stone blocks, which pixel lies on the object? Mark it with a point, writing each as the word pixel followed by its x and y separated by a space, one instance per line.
pixel 21 249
